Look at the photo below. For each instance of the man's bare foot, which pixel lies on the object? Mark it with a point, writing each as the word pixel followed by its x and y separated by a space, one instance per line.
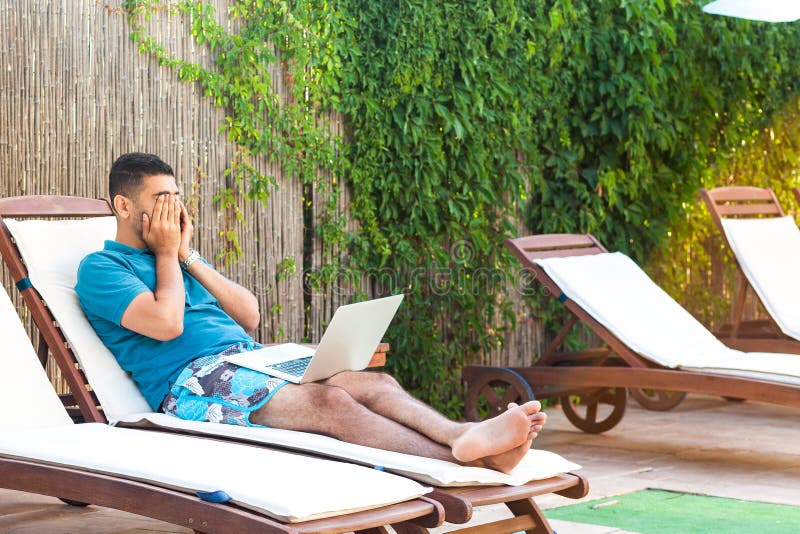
pixel 537 422
pixel 505 461
pixel 493 437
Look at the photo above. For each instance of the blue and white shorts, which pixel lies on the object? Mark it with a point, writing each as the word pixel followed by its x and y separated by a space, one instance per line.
pixel 211 389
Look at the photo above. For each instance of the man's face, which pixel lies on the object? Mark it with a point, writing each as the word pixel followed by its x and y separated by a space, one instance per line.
pixel 144 202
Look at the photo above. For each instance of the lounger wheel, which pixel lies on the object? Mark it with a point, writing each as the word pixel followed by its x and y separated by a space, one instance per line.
pixel 658 400
pixel 73 503
pixel 595 411
pixel 489 394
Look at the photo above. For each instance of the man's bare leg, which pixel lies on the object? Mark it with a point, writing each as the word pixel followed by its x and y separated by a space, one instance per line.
pixel 330 410
pixel 499 442
pixel 469 441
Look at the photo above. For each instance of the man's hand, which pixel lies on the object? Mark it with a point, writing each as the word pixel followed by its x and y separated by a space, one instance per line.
pixel 162 230
pixel 187 231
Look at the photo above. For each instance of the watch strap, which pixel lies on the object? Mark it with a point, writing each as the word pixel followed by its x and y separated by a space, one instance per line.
pixel 193 257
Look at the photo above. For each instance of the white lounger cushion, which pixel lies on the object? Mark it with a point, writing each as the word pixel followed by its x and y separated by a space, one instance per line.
pixel 769 252
pixel 289 487
pixel 52 251
pixel 621 297
pixel 536 465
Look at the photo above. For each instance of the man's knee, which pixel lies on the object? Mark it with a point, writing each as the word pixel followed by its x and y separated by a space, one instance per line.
pixel 385 381
pixel 323 398
pixel 366 387
pixel 379 386
pixel 353 380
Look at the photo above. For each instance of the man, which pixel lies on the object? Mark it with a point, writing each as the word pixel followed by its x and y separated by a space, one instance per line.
pixel 169 318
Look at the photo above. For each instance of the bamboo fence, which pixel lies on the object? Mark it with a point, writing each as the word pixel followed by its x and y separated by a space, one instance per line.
pixel 75 94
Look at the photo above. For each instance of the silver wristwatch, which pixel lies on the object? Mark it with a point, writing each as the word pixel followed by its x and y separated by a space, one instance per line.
pixel 193 257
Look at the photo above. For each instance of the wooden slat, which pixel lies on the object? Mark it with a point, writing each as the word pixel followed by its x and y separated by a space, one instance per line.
pixel 728 210
pixel 424 512
pixel 775 343
pixel 533 247
pixel 548 241
pixel 741 194
pixel 480 496
pixel 47 206
pixel 664 379
pixel 562 253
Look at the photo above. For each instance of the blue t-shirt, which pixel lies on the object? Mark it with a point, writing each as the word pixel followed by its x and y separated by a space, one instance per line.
pixel 108 280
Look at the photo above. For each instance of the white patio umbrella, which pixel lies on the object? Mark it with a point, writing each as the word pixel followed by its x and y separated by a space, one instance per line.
pixel 766 10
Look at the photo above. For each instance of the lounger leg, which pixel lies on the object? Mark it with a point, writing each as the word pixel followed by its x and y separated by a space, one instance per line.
pixel 738 306
pixel 527 507
pixel 527 517
pixel 375 530
pixel 550 351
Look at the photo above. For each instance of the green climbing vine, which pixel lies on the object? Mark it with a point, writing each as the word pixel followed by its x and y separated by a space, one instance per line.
pixel 468 122
pixel 601 117
pixel 291 131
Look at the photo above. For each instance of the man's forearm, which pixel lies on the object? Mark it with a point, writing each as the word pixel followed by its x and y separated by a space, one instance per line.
pixel 159 314
pixel 237 301
pixel 170 294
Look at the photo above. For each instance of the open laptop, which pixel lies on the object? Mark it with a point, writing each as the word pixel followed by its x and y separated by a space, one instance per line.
pixel 347 345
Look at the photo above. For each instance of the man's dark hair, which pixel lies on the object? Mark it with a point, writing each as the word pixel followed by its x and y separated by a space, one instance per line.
pixel 128 172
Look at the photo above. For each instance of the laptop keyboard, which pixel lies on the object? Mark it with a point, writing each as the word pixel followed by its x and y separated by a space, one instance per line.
pixel 293 367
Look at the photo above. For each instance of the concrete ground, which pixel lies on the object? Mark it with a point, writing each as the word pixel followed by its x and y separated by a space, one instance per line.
pixel 706 445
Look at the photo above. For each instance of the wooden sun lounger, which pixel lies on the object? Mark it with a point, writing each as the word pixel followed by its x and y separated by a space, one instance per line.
pixel 592 384
pixel 753 335
pixel 458 503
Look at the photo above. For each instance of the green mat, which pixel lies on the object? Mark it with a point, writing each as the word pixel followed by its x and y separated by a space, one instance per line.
pixel 666 512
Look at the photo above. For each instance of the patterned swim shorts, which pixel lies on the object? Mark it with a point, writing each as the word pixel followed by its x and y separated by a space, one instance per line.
pixel 211 389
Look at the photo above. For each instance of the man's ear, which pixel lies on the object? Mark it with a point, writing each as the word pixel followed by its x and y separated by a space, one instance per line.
pixel 122 206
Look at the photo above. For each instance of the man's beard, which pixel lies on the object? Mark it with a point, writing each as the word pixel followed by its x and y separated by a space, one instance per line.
pixel 137 222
